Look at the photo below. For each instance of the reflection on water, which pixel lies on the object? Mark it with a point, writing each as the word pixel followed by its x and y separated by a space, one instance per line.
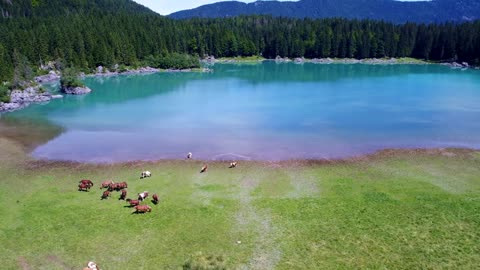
pixel 265 111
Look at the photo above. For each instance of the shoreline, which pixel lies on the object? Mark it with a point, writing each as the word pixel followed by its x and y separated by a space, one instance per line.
pixel 301 60
pixel 376 155
pixel 33 94
pixel 325 61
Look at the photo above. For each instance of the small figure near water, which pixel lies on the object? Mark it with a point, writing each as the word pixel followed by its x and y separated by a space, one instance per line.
pixel 204 168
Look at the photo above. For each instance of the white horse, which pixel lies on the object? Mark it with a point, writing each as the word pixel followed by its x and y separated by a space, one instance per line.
pixel 189 156
pixel 145 174
pixel 142 196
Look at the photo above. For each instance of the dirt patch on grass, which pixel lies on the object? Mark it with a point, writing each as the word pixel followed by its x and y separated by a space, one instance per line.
pixel 266 254
pixel 56 260
pixel 23 264
pixel 304 185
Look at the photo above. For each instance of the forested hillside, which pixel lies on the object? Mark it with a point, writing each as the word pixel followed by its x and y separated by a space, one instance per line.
pixel 92 37
pixel 29 8
pixel 387 10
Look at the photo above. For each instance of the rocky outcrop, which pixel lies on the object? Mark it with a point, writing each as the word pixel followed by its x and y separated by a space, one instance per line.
pixel 103 72
pixel 76 90
pixel 20 99
pixel 50 77
pixel 299 60
pixel 279 59
pixel 209 59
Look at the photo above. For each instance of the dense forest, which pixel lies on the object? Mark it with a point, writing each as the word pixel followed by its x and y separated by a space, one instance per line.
pixel 87 38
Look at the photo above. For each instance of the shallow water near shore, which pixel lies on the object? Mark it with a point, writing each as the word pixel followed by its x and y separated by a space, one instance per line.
pixel 266 111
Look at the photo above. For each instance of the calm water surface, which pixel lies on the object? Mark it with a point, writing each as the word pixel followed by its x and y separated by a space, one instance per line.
pixel 265 111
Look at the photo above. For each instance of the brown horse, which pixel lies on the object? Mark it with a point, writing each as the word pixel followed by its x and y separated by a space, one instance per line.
pixel 140 209
pixel 123 196
pixel 122 185
pixel 83 187
pixel 87 182
pixel 155 199
pixel 105 194
pixel 133 202
pixel 106 184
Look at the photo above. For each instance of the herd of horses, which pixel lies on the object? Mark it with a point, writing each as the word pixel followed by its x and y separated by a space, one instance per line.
pixel 110 186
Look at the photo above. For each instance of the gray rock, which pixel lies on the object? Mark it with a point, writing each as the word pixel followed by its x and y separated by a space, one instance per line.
pixel 29 95
pixel 56 96
pixel 5 107
pixel 50 77
pixel 465 64
pixel 299 60
pixel 76 90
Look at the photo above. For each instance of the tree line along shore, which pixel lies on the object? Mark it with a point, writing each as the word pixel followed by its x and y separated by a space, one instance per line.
pixel 87 40
pixel 125 43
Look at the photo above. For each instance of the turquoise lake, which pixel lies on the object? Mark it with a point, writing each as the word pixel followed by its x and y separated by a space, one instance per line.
pixel 262 111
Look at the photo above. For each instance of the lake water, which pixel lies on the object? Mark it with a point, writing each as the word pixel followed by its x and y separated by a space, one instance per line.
pixel 262 112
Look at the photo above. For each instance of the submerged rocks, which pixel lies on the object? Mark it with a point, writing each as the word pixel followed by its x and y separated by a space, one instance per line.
pixel 79 90
pixel 457 65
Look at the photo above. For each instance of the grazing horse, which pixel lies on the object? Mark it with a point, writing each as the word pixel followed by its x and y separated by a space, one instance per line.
pixel 204 168
pixel 123 195
pixel 106 184
pixel 87 182
pixel 233 165
pixel 140 209
pixel 155 199
pixel 112 187
pixel 105 194
pixel 122 185
pixel 189 155
pixel 142 196
pixel 133 202
pixel 83 187
pixel 91 266
pixel 145 174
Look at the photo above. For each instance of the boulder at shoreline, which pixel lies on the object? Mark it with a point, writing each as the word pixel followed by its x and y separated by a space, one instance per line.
pixel 76 90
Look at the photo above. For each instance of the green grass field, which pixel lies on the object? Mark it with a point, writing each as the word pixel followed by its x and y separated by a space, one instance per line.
pixel 392 210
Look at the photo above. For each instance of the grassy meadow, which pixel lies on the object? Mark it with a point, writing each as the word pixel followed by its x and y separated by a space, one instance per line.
pixel 392 210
